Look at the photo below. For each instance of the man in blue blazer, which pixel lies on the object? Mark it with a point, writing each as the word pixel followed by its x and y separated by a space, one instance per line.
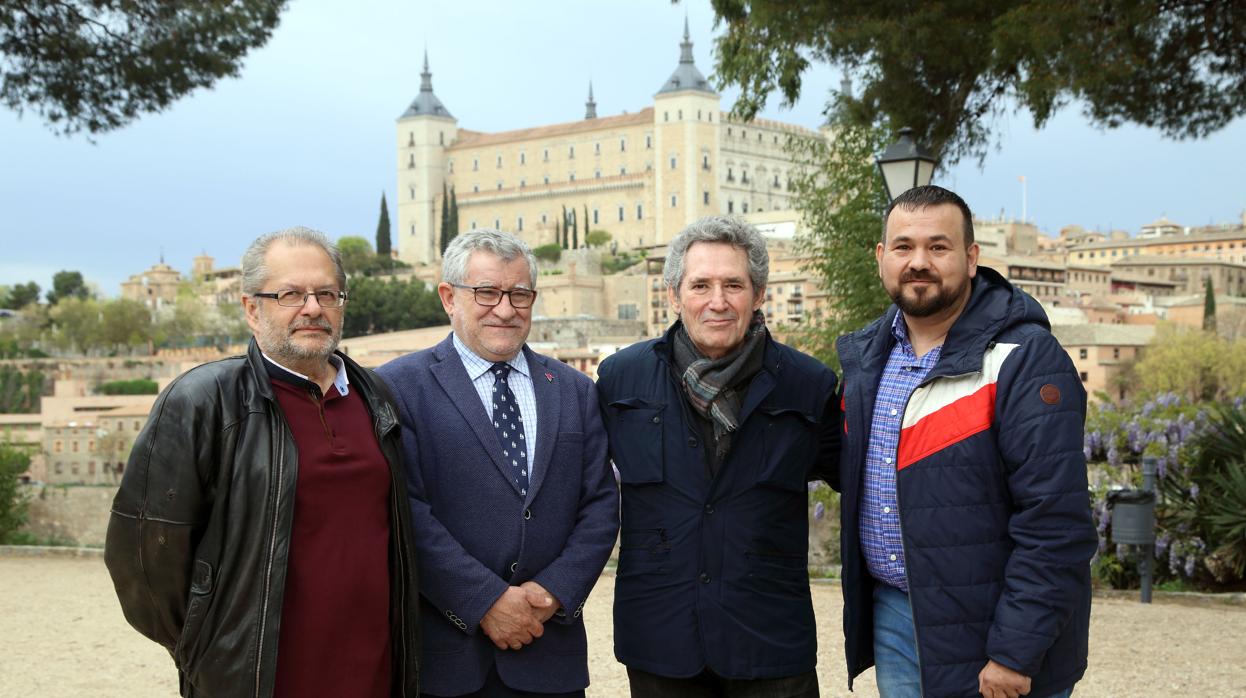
pixel 514 507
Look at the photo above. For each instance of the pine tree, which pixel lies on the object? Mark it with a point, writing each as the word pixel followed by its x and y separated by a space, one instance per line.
pixel 1209 308
pixel 445 219
pixel 382 231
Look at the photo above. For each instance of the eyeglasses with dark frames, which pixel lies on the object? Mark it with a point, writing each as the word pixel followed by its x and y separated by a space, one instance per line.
pixel 490 296
pixel 291 298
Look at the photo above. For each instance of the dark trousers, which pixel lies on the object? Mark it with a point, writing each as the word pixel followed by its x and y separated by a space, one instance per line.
pixel 494 688
pixel 707 684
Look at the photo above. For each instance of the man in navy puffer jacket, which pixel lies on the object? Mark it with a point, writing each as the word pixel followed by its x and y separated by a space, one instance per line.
pixel 967 532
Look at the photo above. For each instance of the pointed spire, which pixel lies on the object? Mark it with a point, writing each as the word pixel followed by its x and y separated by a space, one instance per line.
pixel 426 103
pixel 590 107
pixel 685 46
pixel 686 75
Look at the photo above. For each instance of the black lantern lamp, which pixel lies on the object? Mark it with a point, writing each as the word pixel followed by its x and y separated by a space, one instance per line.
pixel 905 164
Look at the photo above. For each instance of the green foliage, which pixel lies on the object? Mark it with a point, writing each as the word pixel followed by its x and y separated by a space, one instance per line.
pixel 383 243
pixel 454 214
pixel 13 502
pixel 378 305
pixel 97 66
pixel 946 68
pixel 182 324
pixel 597 238
pixel 839 195
pixel 445 219
pixel 1197 365
pixel 67 284
pixel 76 324
pixel 125 324
pixel 548 253
pixel 358 258
pixel 137 386
pixel 20 391
pixel 20 296
pixel 615 263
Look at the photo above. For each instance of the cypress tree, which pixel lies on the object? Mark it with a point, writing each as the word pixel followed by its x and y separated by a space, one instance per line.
pixel 575 230
pixel 454 214
pixel 558 233
pixel 445 219
pixel 566 227
pixel 586 225
pixel 1209 308
pixel 383 243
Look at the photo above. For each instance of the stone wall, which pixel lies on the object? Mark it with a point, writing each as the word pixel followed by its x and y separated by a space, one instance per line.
pixel 77 513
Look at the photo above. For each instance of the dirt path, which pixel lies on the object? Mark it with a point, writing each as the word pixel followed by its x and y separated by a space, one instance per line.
pixel 63 635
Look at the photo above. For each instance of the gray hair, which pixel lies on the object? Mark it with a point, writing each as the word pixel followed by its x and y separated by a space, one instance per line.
pixel 505 245
pixel 728 229
pixel 255 272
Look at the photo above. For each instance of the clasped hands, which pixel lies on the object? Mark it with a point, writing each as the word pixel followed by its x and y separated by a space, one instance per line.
pixel 518 616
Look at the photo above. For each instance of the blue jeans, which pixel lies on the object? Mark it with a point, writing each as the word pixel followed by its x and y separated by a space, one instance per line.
pixel 895 646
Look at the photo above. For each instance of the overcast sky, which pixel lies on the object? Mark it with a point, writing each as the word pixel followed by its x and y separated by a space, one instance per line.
pixel 305 136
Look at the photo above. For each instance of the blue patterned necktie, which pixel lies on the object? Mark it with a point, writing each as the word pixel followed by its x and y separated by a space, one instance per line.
pixel 509 427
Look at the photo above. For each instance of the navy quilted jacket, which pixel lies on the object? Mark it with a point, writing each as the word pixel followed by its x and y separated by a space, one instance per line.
pixel 994 508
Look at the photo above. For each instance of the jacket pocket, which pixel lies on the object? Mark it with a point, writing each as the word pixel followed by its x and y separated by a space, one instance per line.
pixel 643 551
pixel 636 440
pixel 790 445
pixel 201 585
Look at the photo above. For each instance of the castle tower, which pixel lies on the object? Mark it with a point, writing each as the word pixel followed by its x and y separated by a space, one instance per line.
pixel 424 131
pixel 590 107
pixel 686 125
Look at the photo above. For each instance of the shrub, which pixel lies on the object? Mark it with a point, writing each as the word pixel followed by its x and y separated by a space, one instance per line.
pixel 13 502
pixel 548 253
pixel 138 386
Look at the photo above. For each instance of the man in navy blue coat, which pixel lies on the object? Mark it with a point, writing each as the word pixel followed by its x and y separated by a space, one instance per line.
pixel 967 535
pixel 514 506
pixel 716 429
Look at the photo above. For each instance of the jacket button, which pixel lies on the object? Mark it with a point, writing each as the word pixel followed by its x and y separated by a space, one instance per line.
pixel 657 419
pixel 705 578
pixel 709 508
pixel 692 442
pixel 514 566
pixel 527 514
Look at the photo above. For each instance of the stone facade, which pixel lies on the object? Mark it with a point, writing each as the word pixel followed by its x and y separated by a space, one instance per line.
pixel 641 176
pixel 70 514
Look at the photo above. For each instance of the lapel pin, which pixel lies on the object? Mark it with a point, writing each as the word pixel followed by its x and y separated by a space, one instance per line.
pixel 549 377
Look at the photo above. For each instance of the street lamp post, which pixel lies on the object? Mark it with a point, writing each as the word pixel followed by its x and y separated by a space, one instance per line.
pixel 905 164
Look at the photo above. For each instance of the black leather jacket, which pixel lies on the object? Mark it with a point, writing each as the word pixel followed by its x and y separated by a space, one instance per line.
pixel 200 529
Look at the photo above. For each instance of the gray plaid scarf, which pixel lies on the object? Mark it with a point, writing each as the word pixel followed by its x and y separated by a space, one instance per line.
pixel 714 386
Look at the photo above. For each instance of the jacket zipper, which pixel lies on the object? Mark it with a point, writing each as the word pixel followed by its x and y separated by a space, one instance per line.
pixel 396 523
pixel 917 645
pixel 268 571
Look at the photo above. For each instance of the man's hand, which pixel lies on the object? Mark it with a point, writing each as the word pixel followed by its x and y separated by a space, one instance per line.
pixel 998 681
pixel 543 603
pixel 511 622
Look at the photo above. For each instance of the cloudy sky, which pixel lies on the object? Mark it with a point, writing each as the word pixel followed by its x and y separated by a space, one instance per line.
pixel 305 135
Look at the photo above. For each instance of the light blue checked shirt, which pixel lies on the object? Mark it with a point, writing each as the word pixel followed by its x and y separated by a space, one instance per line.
pixel 520 383
pixel 880 509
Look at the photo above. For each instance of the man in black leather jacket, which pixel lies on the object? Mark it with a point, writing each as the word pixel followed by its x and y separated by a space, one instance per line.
pixel 256 514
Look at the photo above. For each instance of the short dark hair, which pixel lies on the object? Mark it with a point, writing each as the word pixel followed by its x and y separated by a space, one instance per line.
pixel 925 197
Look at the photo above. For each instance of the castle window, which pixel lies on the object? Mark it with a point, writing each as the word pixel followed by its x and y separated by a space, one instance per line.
pixel 666 116
pixel 571 153
pixel 519 225
pixel 648 142
pixel 622 145
pixel 545 155
pixel 571 177
pixel 672 162
pixel 497 223
pixel 622 171
pixel 412 192
pixel 411 161
pixel 499 162
pixel 547 179
pixel 410 138
pixel 681 114
pixel 706 197
pixel 597 173
pixel 744 207
pixel 594 216
pixel 730 206
pixel 523 158
pixel 620 214
pixel 698 115
pixel 543 219
pixel 475 164
pixel 597 148
pixel 640 211
pixel 674 201
pixel 473 224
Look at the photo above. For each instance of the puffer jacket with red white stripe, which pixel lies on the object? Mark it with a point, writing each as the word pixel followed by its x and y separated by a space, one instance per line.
pixel 994 509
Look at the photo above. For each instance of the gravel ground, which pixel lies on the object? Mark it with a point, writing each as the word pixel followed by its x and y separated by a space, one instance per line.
pixel 62 634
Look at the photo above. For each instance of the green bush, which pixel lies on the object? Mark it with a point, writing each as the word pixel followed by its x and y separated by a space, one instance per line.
pixel 138 386
pixel 548 253
pixel 13 502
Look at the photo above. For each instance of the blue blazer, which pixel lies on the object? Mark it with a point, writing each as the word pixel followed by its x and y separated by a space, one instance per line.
pixel 472 526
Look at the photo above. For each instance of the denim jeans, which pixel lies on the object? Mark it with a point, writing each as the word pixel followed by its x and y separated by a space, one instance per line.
pixel 895 646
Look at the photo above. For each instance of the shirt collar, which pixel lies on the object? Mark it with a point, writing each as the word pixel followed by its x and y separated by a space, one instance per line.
pixel 477 366
pixel 341 381
pixel 900 331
